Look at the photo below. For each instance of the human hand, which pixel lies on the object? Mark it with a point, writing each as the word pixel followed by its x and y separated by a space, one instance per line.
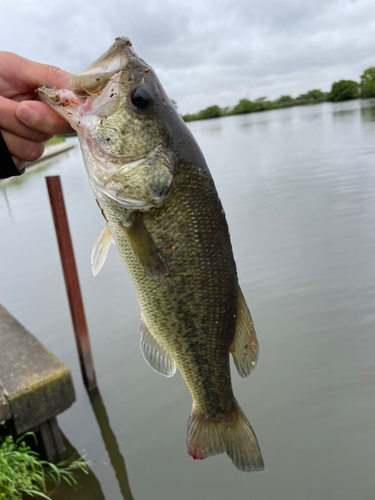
pixel 25 122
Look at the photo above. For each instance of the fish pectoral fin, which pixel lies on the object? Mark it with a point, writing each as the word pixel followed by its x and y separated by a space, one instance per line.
pixel 145 249
pixel 244 347
pixel 156 356
pixel 100 250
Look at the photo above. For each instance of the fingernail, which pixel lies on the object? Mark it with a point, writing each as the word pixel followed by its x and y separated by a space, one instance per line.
pixel 25 114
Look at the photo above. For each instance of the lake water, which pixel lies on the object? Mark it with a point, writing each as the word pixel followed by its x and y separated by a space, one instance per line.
pixel 298 188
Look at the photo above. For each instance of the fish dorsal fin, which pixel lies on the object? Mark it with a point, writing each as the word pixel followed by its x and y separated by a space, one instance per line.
pixel 244 347
pixel 156 356
pixel 144 248
pixel 100 250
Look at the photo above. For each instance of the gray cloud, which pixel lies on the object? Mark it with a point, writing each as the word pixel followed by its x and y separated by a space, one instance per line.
pixel 205 52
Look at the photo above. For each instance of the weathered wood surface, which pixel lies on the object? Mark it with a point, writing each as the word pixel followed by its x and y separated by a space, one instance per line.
pixel 34 385
pixel 4 406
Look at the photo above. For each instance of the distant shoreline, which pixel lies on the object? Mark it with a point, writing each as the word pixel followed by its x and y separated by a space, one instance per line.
pixel 224 113
pixel 343 90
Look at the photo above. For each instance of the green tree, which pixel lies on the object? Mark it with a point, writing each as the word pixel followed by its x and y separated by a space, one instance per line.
pixel 210 112
pixel 315 95
pixel 190 118
pixel 284 100
pixel 344 90
pixel 261 104
pixel 244 106
pixel 368 83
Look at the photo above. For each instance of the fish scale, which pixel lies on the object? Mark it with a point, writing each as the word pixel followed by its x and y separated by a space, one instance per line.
pixel 163 213
pixel 212 293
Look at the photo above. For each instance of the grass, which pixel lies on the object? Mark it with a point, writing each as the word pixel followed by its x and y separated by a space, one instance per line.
pixel 23 474
pixel 55 140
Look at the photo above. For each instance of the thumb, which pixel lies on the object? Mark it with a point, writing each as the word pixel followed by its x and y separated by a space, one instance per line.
pixel 40 117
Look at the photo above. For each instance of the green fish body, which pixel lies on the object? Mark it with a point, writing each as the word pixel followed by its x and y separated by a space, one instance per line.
pixel 163 213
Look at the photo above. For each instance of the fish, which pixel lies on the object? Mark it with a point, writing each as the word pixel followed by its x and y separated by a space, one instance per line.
pixel 163 212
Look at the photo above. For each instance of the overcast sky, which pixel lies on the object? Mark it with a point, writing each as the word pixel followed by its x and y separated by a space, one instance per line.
pixel 205 52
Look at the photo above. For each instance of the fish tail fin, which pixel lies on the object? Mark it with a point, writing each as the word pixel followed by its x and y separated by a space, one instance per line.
pixel 234 435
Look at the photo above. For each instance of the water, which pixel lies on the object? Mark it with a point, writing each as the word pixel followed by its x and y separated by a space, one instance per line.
pixel 298 188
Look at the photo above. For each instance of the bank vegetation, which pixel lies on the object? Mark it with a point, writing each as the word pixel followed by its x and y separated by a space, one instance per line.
pixel 342 90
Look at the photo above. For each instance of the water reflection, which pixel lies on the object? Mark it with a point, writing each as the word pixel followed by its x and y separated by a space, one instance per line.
pixel 245 127
pixel 300 203
pixel 286 119
pixel 117 460
pixel 7 204
pixel 213 128
pixel 341 113
pixel 368 113
pixel 314 116
pixel 88 487
pixel 252 122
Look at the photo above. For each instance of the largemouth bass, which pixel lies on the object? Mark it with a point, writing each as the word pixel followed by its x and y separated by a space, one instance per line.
pixel 162 211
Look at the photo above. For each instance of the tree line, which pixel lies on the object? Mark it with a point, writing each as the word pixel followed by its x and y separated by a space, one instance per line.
pixel 342 90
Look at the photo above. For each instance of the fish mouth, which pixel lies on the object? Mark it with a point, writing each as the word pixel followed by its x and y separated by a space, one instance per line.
pixel 96 84
pixel 94 78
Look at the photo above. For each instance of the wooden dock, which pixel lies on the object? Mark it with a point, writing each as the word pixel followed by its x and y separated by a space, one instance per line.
pixel 52 151
pixel 34 385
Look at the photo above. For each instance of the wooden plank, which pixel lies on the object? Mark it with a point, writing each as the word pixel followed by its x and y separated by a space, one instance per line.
pixel 5 413
pixel 51 439
pixel 37 385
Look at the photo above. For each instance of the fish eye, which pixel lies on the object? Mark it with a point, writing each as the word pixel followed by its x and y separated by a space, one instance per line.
pixel 141 98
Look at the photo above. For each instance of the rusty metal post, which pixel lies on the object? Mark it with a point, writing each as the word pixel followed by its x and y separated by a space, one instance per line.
pixel 71 280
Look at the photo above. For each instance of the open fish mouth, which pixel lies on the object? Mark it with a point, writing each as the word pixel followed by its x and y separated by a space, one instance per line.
pixel 96 93
pixel 95 77
pixel 103 100
pixel 92 80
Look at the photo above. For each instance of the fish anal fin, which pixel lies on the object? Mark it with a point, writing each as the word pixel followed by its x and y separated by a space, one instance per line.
pixel 244 347
pixel 100 250
pixel 155 354
pixel 234 435
pixel 145 249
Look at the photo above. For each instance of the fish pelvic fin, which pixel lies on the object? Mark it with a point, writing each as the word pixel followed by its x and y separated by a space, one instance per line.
pixel 144 248
pixel 155 354
pixel 100 250
pixel 209 436
pixel 244 347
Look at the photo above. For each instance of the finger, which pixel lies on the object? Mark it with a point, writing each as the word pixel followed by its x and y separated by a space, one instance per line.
pixel 32 74
pixel 41 118
pixel 44 74
pixel 9 121
pixel 21 148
